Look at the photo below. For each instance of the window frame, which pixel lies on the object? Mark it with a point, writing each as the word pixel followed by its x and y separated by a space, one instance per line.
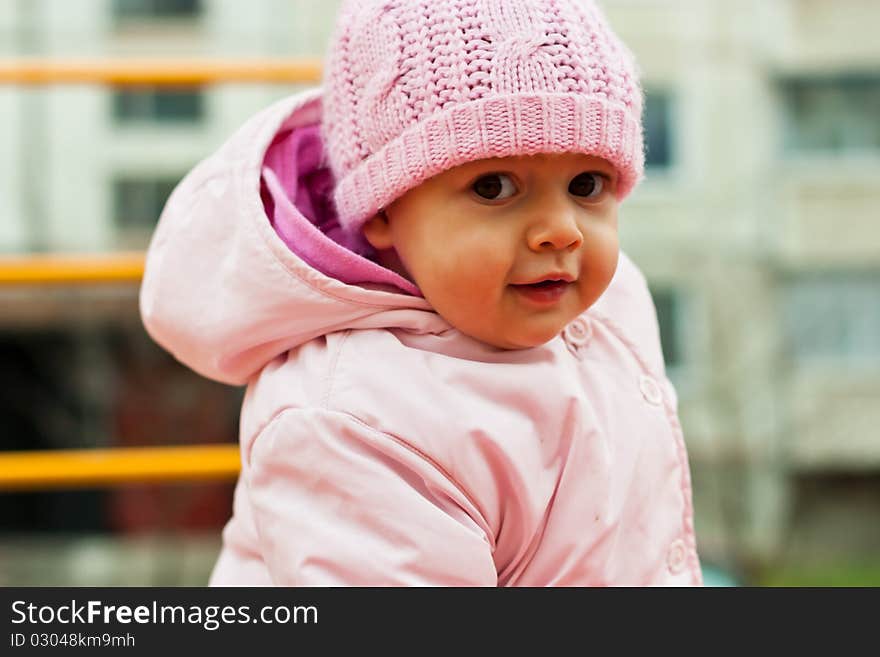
pixel 670 111
pixel 122 17
pixel 794 142
pixel 135 232
pixel 867 279
pixel 150 98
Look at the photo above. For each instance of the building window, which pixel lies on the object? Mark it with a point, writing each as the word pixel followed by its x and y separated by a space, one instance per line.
pixel 832 114
pixel 158 105
pixel 138 202
pixel 668 303
pixel 658 129
pixel 140 9
pixel 834 316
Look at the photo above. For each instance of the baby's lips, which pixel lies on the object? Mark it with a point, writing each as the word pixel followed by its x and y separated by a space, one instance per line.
pixel 563 277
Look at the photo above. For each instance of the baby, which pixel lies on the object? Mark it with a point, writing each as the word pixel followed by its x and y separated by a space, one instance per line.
pixel 454 376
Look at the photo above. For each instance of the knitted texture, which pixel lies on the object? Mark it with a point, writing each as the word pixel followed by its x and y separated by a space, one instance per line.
pixel 415 87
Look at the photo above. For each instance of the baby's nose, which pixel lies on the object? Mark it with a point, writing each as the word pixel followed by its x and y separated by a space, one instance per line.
pixel 555 229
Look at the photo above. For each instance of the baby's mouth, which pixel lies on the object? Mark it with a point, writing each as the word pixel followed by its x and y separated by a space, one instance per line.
pixel 547 283
pixel 543 292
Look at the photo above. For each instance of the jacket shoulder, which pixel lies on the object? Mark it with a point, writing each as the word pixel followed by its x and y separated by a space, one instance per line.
pixel 296 379
pixel 628 309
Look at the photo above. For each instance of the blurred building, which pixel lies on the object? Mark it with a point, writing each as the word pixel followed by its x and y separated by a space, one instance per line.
pixel 756 227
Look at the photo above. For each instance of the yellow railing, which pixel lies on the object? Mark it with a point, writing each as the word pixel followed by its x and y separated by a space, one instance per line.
pixel 71 269
pixel 119 465
pixel 54 469
pixel 158 72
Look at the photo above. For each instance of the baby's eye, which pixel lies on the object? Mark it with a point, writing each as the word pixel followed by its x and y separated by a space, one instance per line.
pixel 588 185
pixel 495 186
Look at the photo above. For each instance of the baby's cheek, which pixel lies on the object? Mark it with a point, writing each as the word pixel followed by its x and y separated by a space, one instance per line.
pixel 466 301
pixel 600 265
pixel 466 276
pixel 466 289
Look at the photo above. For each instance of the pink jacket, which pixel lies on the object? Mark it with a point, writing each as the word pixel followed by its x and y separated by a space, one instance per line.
pixel 380 446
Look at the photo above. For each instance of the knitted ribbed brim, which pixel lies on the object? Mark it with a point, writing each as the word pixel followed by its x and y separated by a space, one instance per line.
pixel 493 127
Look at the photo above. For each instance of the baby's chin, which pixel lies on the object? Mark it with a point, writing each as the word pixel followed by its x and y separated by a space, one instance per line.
pixel 518 340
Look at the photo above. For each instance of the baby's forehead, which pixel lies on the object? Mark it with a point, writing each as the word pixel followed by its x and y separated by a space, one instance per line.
pixel 538 161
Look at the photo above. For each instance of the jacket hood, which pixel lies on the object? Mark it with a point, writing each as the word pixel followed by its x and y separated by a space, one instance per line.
pixel 248 261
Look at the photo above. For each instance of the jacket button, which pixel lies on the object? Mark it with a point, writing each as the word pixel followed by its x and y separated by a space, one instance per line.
pixel 676 557
pixel 578 333
pixel 650 390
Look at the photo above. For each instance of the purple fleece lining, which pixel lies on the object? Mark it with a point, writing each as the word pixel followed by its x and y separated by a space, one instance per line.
pixel 297 193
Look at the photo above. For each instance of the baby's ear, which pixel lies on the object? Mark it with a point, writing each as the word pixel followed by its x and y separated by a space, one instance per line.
pixel 377 230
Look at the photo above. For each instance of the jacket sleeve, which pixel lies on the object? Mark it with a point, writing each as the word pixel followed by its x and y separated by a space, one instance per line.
pixel 337 503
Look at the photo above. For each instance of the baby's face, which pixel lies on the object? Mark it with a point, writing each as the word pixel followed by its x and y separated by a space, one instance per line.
pixel 478 240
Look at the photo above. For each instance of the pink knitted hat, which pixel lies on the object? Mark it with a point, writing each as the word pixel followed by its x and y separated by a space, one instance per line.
pixel 415 87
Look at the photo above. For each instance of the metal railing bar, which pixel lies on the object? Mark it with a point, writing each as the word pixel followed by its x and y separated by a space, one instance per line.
pixel 158 72
pixel 61 469
pixel 39 269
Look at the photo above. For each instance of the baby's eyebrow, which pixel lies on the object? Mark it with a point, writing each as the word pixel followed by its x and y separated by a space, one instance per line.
pixel 602 166
pixel 596 161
